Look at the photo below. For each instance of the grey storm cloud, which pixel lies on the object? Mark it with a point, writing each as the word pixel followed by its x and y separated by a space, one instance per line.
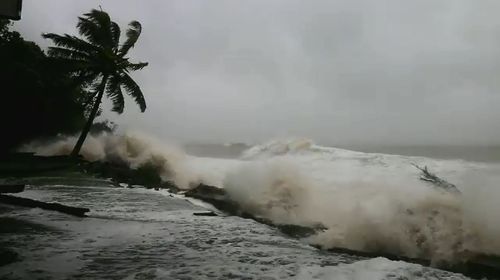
pixel 339 72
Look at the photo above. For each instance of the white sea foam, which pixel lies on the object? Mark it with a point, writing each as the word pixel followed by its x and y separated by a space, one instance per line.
pixel 367 201
pixel 133 148
pixel 370 202
pixel 373 269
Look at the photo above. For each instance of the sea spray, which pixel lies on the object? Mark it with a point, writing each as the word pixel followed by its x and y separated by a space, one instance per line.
pixel 481 206
pixel 269 189
pixel 369 202
pixel 375 217
pixel 133 148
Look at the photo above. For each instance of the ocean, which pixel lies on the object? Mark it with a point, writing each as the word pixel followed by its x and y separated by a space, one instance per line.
pixel 366 201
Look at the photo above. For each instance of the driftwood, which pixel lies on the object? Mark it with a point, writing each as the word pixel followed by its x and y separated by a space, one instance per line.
pixel 26 202
pixel 433 179
pixel 11 188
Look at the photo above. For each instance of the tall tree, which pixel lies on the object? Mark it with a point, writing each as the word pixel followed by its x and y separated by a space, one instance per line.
pixel 98 61
pixel 31 86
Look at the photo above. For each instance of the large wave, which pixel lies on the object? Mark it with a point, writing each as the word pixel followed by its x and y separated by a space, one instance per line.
pixel 132 148
pixel 367 201
pixel 371 202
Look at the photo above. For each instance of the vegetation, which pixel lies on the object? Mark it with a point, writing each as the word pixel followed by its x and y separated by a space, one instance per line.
pixel 99 62
pixel 39 98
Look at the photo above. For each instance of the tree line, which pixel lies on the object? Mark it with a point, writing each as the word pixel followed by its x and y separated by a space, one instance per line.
pixel 60 91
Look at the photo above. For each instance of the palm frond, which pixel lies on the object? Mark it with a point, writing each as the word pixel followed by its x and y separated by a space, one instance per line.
pixel 114 92
pixel 65 53
pixel 115 35
pixel 133 90
pixel 100 18
pixel 97 27
pixel 133 33
pixel 135 66
pixel 90 30
pixel 71 42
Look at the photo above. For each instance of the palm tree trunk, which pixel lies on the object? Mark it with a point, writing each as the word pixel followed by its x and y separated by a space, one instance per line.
pixel 93 113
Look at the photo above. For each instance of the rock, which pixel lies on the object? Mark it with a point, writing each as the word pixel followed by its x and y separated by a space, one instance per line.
pixel 8 256
pixel 299 231
pixel 215 196
pixel 11 188
pixel 208 214
pixel 220 200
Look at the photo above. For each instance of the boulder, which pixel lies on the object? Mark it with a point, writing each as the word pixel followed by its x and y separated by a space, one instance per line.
pixel 11 188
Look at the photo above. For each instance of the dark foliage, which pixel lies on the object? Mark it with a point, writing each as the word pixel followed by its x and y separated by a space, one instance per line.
pixel 38 97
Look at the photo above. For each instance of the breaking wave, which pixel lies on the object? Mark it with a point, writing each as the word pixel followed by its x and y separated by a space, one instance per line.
pixel 371 202
pixel 134 149
pixel 366 201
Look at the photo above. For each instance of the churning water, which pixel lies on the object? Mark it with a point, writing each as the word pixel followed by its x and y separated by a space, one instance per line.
pixel 367 201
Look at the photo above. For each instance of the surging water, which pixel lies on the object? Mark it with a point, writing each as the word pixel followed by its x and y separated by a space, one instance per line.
pixel 146 234
pixel 368 202
pixel 135 149
pixel 371 202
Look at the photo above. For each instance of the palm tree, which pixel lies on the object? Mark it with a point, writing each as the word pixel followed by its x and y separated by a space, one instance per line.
pixel 99 62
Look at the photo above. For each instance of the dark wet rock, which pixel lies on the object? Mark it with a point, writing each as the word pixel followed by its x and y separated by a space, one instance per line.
pixel 220 200
pixel 479 267
pixel 121 172
pixel 10 225
pixel 7 256
pixel 208 214
pixel 17 188
pixel 28 164
pixel 299 231
pixel 146 175
pixel 26 202
pixel 21 166
pixel 215 196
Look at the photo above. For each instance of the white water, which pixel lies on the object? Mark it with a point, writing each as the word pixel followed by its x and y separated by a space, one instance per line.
pixel 368 202
pixel 373 269
pixel 372 202
pixel 135 149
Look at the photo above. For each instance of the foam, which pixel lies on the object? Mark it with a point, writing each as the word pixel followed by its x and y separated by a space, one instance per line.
pixel 369 202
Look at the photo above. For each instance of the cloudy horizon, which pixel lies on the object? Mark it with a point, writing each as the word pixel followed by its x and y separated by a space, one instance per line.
pixel 339 72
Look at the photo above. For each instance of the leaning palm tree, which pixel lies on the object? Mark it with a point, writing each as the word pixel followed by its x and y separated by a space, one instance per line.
pixel 99 63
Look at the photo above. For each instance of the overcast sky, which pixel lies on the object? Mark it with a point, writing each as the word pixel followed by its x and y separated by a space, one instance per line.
pixel 338 72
